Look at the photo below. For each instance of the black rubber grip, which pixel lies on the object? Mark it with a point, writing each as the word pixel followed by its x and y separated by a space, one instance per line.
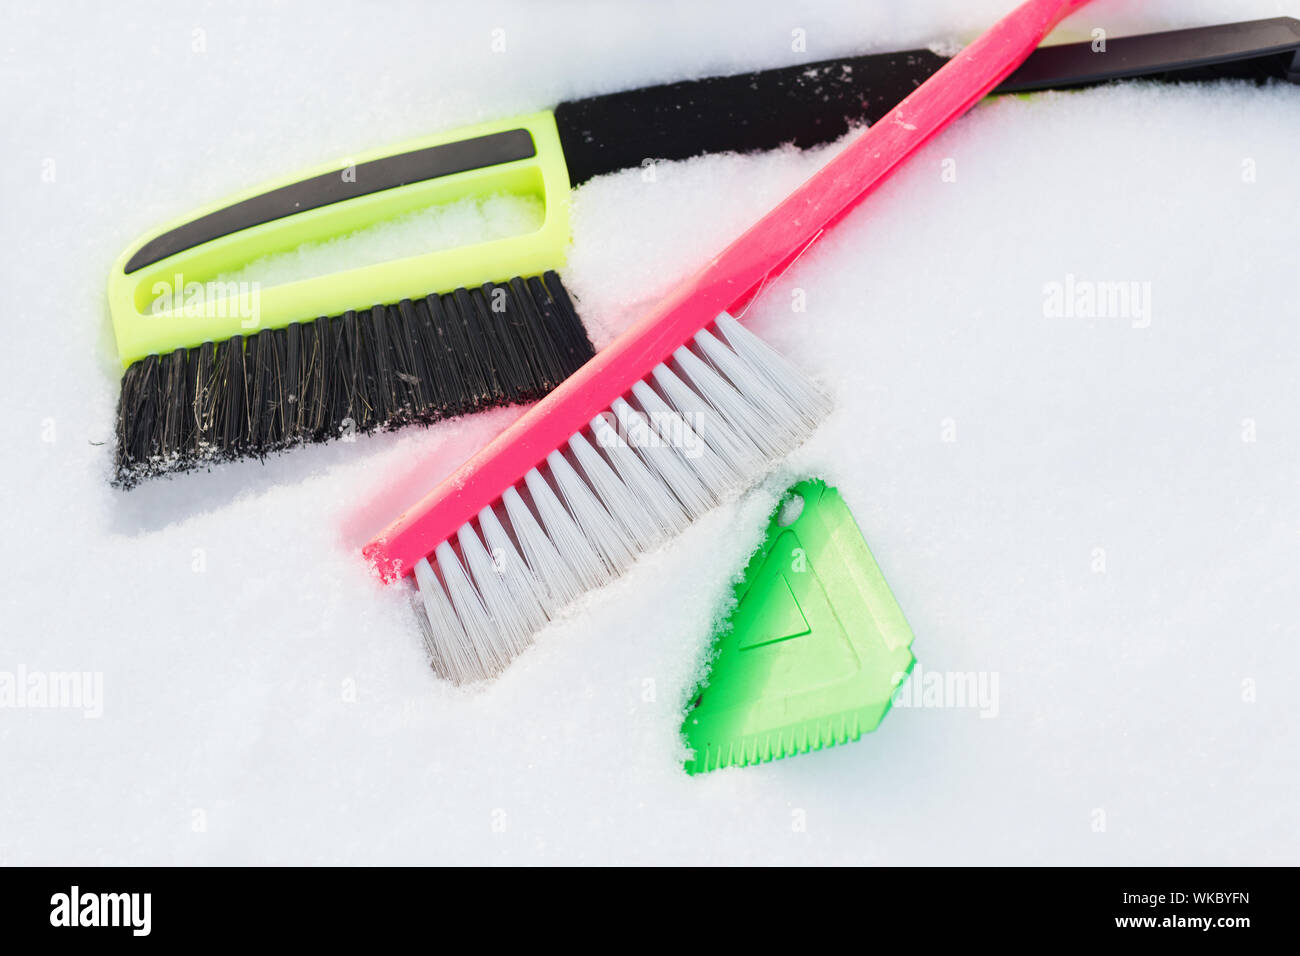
pixel 816 103
pixel 372 177
pixel 807 105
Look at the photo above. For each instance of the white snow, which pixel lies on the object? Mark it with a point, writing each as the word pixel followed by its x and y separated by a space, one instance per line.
pixel 1101 511
pixel 473 220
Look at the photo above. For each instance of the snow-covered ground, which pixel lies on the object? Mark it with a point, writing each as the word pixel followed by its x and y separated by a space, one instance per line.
pixel 1103 513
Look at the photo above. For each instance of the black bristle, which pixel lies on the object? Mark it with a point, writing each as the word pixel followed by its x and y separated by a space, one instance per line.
pixel 279 416
pixel 217 400
pixel 292 370
pixel 232 391
pixel 477 389
pixel 259 389
pixel 132 456
pixel 203 369
pixel 318 361
pixel 254 387
pixel 570 326
pixel 148 411
pixel 445 397
pixel 271 408
pixel 412 371
pixel 514 376
pixel 380 377
pixel 574 347
pixel 483 347
pixel 545 350
pixel 341 379
pixel 351 401
pixel 189 423
pixel 411 361
pixel 406 374
pixel 171 407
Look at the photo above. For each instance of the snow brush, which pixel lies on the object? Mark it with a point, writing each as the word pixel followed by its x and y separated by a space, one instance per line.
pixel 663 423
pixel 229 373
pixel 218 369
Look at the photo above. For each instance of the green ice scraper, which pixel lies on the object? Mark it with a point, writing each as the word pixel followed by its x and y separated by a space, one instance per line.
pixel 814 648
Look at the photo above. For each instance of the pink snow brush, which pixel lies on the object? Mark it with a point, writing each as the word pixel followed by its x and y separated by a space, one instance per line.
pixel 666 421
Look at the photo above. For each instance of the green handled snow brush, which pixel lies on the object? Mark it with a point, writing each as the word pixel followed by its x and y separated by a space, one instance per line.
pixel 218 369
pixel 814 648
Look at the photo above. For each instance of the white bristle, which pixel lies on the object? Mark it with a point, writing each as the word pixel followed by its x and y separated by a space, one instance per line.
pixel 484 639
pixel 597 526
pixel 715 472
pixel 557 585
pixel 770 438
pixel 731 444
pixel 673 473
pixel 770 403
pixel 624 508
pixel 642 486
pixel 509 614
pixel 691 443
pixel 586 565
pixel 524 588
pixel 806 398
pixel 453 655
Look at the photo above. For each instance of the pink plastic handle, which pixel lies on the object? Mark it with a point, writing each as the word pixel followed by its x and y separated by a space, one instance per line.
pixel 728 280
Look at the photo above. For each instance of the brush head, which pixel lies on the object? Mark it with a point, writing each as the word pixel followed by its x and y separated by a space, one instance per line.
pixel 413 362
pixel 221 369
pixel 698 429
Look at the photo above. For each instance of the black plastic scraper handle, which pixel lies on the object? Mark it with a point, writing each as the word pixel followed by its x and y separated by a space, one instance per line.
pixel 1255 49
